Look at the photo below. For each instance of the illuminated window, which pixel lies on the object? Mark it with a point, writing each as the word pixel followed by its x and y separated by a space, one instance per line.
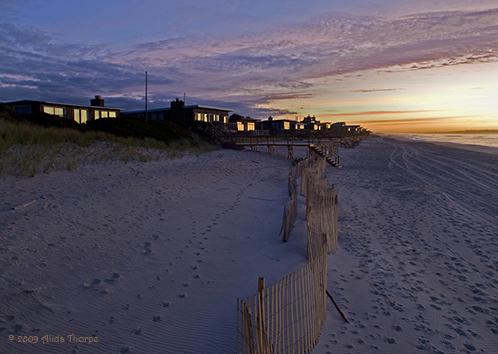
pixel 112 114
pixel 240 126
pixel 48 110
pixel 205 118
pixel 104 114
pixel 96 115
pixel 286 125
pixel 251 126
pixel 77 115
pixel 58 111
pixel 83 116
pixel 225 119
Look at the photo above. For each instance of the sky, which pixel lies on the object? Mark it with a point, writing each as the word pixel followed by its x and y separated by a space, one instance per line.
pixel 392 66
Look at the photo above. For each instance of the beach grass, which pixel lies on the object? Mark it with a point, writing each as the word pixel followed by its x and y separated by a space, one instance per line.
pixel 27 149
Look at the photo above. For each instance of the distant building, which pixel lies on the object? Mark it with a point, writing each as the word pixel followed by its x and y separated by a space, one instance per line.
pixel 276 125
pixel 78 113
pixel 299 126
pixel 178 111
pixel 352 129
pixel 242 124
pixel 311 123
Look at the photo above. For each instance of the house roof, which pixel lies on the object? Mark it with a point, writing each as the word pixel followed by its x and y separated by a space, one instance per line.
pixel 242 119
pixel 209 107
pixel 169 109
pixel 278 120
pixel 31 102
pixel 154 110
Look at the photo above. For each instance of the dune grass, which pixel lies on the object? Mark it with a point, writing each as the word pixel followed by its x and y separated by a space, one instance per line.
pixel 27 149
pixel 12 133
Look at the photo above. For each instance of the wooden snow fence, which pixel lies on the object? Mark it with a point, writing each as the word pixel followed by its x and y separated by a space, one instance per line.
pixel 287 316
pixel 313 169
pixel 290 209
pixel 322 210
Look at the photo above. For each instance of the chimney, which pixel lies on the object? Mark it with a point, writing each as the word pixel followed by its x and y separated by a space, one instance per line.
pixel 177 104
pixel 98 101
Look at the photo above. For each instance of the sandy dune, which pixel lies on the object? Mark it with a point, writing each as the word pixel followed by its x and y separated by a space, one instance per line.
pixel 417 269
pixel 149 257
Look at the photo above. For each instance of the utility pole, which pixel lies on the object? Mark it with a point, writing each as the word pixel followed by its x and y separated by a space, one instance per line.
pixel 146 98
pixel 185 107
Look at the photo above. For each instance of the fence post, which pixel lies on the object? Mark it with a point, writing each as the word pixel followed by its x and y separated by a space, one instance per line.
pixel 238 347
pixel 248 328
pixel 261 317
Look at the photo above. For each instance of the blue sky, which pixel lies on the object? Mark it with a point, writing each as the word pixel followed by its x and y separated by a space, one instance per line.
pixel 361 61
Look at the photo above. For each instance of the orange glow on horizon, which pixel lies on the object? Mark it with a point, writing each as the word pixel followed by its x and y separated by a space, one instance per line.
pixel 442 99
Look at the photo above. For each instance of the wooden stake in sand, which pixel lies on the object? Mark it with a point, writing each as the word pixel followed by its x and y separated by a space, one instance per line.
pixel 22 206
pixel 337 307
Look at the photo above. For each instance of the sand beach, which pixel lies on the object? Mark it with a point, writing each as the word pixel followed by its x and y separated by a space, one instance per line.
pixel 416 267
pixel 150 257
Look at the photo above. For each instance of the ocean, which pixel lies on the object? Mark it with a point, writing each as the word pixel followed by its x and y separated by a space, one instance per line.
pixel 488 140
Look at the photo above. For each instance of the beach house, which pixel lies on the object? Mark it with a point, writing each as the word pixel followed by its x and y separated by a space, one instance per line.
pixel 77 113
pixel 352 129
pixel 240 123
pixel 325 125
pixel 311 123
pixel 276 126
pixel 180 112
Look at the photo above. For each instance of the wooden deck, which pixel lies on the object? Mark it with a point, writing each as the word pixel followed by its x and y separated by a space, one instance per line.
pixel 270 144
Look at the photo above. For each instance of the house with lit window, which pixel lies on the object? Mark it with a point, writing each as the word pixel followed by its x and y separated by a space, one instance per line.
pixel 326 125
pixel 311 123
pixel 239 123
pixel 178 111
pixel 352 129
pixel 337 129
pixel 299 126
pixel 276 126
pixel 77 113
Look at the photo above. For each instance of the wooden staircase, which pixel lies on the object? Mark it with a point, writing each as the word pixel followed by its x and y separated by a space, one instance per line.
pixel 332 161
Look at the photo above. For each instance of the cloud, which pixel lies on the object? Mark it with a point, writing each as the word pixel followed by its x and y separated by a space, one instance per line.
pixel 379 113
pixel 254 67
pixel 374 90
pixel 412 120
pixel 247 72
